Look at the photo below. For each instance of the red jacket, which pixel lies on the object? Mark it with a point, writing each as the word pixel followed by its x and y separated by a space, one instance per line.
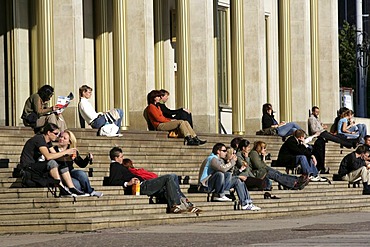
pixel 156 116
pixel 144 174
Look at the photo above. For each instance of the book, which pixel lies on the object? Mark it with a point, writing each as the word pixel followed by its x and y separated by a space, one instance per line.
pixel 63 102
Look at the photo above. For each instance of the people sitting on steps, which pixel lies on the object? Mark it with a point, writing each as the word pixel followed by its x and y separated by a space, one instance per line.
pixel 179 114
pixel 79 178
pixel 166 185
pixel 160 122
pixel 315 126
pixel 354 165
pixel 283 129
pixel 97 119
pixel 261 170
pixel 214 175
pixel 37 112
pixel 39 155
pixel 294 152
pixel 347 128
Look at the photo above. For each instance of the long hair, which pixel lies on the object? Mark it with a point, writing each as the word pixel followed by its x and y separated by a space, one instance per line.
pixel 242 144
pixel 259 145
pixel 72 139
pixel 151 96
pixel 265 108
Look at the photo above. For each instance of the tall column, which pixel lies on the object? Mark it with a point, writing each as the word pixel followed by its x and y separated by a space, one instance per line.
pixel 119 59
pixel 34 47
pixel 101 54
pixel 285 61
pixel 315 61
pixel 45 41
pixel 217 110
pixel 158 44
pixel 183 89
pixel 237 64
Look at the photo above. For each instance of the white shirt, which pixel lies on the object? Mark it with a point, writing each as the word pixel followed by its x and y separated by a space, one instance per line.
pixel 87 110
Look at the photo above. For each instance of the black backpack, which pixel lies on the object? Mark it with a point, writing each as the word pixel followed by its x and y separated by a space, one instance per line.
pixel 32 178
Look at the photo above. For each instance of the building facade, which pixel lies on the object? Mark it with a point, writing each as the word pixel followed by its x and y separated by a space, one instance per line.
pixel 222 59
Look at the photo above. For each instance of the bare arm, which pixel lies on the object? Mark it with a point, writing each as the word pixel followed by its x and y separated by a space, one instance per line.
pixel 52 155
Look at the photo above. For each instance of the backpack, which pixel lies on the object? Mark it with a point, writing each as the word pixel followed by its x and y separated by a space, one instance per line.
pixel 32 178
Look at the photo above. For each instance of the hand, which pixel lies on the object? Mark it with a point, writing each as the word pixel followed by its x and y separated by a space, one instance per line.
pixel 314 160
pixel 243 178
pixel 71 151
pixel 133 181
pixel 91 156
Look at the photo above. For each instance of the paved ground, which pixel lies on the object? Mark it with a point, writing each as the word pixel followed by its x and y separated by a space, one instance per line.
pixel 320 230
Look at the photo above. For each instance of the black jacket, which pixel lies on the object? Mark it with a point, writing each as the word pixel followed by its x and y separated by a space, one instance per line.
pixel 168 113
pixel 350 163
pixel 268 121
pixel 118 174
pixel 290 149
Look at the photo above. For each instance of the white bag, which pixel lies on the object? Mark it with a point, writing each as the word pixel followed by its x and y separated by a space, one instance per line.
pixel 109 129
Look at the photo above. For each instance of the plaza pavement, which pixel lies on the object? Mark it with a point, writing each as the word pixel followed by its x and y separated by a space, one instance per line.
pixel 344 229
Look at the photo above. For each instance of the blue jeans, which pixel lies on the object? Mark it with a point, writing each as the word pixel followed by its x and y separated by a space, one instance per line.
pixel 362 131
pixel 166 184
pixel 308 168
pixel 220 182
pixel 81 181
pixel 287 129
pixel 281 178
pixel 241 190
pixel 100 121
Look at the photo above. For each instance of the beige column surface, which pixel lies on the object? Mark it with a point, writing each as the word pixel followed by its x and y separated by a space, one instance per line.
pixel 45 41
pixel 237 73
pixel 285 62
pixel 315 52
pixel 102 55
pixel 158 44
pixel 183 91
pixel 119 59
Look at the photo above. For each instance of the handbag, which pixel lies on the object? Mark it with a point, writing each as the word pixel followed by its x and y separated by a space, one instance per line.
pixel 109 129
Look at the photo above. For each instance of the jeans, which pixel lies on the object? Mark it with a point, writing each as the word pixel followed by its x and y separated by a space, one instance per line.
pixel 164 183
pixel 284 179
pixel 241 190
pixel 287 129
pixel 308 168
pixel 176 179
pixel 220 182
pixel 362 131
pixel 81 181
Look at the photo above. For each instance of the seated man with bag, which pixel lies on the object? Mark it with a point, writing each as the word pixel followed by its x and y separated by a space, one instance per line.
pixel 98 120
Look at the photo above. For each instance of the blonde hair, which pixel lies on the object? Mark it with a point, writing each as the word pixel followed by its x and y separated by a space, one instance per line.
pixel 72 139
pixel 229 153
pixel 259 145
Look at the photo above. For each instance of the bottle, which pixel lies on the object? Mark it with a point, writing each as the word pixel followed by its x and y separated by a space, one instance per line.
pixel 136 189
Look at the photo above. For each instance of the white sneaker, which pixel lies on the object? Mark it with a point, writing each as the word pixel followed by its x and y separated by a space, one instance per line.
pixel 251 207
pixel 222 199
pixel 315 179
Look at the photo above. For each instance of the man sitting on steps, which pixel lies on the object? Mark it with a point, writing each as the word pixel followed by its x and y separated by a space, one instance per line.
pixel 167 184
pixel 215 176
pixel 354 166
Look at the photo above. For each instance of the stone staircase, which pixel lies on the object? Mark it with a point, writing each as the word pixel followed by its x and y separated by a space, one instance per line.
pixel 26 210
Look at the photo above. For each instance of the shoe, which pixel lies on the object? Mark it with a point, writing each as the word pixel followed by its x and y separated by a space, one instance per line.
pixel 64 191
pixel 199 141
pixel 176 209
pixel 231 196
pixel 96 193
pixel 78 192
pixel 317 178
pixel 251 207
pixel 185 203
pixel 301 182
pixel 221 199
pixel 267 195
pixel 188 140
pixel 194 210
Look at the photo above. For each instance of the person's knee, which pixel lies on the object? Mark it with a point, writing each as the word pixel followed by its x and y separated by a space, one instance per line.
pixel 219 177
pixel 52 164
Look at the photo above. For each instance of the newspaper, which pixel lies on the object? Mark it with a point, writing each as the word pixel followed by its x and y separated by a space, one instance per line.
pixel 63 102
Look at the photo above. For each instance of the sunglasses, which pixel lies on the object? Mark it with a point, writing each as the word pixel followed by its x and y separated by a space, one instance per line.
pixel 57 133
pixel 223 150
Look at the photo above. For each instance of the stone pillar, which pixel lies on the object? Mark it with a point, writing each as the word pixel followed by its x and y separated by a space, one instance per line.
pixel 45 41
pixel 237 65
pixel 285 62
pixel 315 62
pixel 183 89
pixel 102 55
pixel 158 44
pixel 119 59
